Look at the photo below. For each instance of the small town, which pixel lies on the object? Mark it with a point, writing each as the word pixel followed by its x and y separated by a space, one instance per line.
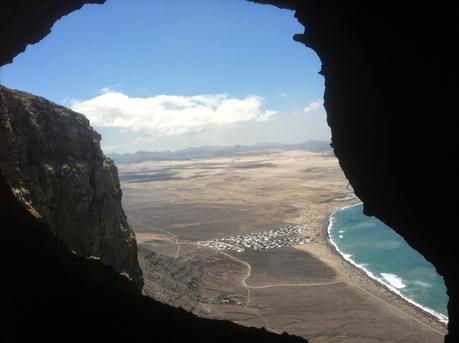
pixel 262 240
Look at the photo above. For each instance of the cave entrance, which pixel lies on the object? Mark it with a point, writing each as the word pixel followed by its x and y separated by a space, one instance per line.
pixel 223 155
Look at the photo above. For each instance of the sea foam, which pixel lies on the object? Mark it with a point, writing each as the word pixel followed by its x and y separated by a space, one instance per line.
pixel 441 317
pixel 394 280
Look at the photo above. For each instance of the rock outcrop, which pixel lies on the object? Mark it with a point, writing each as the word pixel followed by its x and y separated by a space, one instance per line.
pixel 172 281
pixel 51 159
pixel 48 294
pixel 391 85
pixel 36 20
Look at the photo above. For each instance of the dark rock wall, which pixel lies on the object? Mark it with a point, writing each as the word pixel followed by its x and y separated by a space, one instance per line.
pixel 391 76
pixel 391 86
pixel 27 22
pixel 51 158
pixel 48 294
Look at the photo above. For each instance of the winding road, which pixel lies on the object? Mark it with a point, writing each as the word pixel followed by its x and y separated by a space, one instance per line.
pixel 249 287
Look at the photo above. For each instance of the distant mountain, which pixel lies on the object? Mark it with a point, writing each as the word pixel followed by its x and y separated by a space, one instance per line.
pixel 216 150
pixel 317 146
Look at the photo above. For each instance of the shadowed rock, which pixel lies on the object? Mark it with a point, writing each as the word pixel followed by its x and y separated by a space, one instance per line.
pixel 51 159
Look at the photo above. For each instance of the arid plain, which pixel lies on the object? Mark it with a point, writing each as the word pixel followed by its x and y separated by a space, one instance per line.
pixel 307 289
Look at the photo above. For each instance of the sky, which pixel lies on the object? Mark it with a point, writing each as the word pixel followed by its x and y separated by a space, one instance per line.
pixel 161 75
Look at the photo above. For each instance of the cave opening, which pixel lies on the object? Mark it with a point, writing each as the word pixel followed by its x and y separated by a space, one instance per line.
pixel 111 94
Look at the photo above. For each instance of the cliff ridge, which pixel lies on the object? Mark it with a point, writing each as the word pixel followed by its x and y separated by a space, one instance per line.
pixel 52 160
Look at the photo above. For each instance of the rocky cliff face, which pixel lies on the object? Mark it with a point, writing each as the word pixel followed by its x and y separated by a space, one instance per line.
pixel 51 159
pixel 48 294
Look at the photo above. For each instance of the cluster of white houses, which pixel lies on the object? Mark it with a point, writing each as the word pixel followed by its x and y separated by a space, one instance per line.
pixel 269 239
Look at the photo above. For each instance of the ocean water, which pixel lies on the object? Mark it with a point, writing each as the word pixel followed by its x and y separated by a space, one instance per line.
pixel 384 255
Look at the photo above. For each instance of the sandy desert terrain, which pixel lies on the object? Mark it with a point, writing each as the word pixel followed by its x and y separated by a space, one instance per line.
pixel 306 289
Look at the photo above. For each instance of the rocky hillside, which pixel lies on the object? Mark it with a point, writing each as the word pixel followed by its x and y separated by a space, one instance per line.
pixel 51 159
pixel 48 294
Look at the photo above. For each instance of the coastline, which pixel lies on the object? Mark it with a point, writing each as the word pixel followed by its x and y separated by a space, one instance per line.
pixel 308 290
pixel 430 313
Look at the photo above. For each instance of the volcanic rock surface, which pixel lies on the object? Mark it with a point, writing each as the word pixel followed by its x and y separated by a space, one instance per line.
pixel 51 159
pixel 49 294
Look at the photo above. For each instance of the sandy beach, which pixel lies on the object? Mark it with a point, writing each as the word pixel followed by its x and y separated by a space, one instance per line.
pixel 307 290
pixel 427 311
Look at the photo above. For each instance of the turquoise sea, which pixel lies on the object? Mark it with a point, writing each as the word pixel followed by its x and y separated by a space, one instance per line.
pixel 385 256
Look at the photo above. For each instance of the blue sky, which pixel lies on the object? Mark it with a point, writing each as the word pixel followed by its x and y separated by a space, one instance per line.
pixel 168 74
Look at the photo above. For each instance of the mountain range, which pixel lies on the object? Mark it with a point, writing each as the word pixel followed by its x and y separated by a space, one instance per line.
pixel 216 151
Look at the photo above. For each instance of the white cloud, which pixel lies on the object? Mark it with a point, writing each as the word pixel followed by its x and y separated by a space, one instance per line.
pixel 109 148
pixel 316 104
pixel 166 115
pixel 104 90
pixel 110 88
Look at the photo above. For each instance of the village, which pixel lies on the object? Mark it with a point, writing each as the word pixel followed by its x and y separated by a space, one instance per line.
pixel 262 240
